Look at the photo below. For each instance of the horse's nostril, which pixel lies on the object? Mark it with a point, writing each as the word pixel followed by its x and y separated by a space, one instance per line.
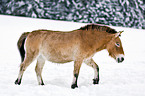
pixel 122 59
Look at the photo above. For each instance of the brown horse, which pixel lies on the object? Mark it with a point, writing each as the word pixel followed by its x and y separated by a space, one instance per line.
pixel 61 47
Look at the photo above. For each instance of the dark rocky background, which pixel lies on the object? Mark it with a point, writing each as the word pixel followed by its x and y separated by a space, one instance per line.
pixel 126 13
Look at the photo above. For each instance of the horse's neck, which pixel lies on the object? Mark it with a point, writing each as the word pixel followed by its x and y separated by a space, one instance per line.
pixel 97 40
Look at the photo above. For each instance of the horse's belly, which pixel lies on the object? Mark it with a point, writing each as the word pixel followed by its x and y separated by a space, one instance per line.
pixel 59 52
pixel 61 59
pixel 58 57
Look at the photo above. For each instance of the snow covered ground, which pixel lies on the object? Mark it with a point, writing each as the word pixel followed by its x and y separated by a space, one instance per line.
pixel 123 79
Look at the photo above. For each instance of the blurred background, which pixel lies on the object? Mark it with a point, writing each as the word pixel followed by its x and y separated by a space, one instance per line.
pixel 125 13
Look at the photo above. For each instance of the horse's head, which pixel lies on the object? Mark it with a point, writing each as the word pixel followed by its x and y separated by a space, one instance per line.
pixel 115 48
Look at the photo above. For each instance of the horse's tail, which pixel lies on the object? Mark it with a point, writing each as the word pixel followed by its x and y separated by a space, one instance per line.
pixel 20 45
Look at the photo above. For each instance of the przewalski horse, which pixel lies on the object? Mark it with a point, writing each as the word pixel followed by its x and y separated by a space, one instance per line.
pixel 61 47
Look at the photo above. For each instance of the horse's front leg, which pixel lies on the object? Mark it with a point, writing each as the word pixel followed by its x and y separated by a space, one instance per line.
pixel 77 65
pixel 91 63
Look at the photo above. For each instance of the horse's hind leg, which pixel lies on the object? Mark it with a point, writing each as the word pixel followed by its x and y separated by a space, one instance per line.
pixel 38 69
pixel 27 61
pixel 92 64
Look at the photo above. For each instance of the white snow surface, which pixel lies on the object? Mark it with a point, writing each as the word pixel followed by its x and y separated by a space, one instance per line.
pixel 116 79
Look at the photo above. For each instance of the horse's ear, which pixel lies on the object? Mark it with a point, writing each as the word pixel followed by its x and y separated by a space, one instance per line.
pixel 118 33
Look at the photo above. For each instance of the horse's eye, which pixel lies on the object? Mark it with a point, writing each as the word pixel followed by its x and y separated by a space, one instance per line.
pixel 117 44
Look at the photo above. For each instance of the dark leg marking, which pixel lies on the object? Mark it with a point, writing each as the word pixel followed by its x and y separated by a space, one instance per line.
pixel 42 83
pixel 96 80
pixel 18 82
pixel 73 86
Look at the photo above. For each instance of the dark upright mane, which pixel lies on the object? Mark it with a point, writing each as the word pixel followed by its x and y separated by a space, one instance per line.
pixel 98 28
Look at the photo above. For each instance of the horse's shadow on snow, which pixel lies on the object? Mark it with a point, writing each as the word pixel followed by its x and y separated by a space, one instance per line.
pixel 65 83
pixel 58 82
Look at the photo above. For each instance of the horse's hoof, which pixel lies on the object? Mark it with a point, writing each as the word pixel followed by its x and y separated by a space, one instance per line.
pixel 95 81
pixel 42 84
pixel 18 82
pixel 73 86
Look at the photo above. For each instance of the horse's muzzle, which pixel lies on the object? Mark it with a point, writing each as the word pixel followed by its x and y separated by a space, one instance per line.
pixel 120 58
